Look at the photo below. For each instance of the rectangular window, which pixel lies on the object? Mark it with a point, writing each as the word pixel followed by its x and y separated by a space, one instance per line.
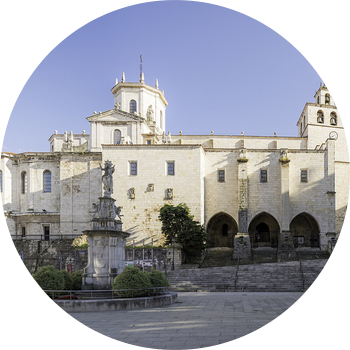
pixel 149 142
pixel 46 229
pixel 221 175
pixel 171 168
pixel 263 175
pixel 133 168
pixel 303 175
pixel 23 231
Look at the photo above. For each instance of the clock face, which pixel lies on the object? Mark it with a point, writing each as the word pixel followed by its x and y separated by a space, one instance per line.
pixel 333 135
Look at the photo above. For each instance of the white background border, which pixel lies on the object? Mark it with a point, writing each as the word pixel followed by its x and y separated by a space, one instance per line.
pixel 31 29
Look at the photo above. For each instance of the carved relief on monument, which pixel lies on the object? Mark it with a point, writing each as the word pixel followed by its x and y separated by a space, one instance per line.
pixel 243 220
pixel 243 201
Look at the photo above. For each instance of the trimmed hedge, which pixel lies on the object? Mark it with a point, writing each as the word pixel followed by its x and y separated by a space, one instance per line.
pixel 137 283
pixel 49 278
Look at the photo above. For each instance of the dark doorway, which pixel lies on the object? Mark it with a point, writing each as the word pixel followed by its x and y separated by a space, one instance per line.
pixel 305 231
pixel 221 229
pixel 263 231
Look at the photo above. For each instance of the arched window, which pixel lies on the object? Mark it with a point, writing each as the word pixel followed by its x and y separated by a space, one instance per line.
pixel 0 181
pixel 333 119
pixel 24 182
pixel 327 99
pixel 320 117
pixel 117 136
pixel 47 181
pixel 133 106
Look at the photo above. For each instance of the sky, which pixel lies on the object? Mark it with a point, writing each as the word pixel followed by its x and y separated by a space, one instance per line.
pixel 224 72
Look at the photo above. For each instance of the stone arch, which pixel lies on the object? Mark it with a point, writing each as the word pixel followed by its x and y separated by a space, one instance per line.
pixel 264 231
pixel 221 229
pixel 305 231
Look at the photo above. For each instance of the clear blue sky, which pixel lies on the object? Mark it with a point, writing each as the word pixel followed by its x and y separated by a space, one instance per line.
pixel 220 71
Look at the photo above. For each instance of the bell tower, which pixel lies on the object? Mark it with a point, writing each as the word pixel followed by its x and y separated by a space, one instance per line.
pixel 319 119
pixel 142 100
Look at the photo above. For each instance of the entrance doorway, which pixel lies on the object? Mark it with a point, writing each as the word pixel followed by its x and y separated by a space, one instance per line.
pixel 221 229
pixel 305 231
pixel 263 231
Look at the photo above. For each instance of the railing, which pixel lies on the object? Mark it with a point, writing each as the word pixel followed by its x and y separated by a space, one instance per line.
pixel 236 276
pixel 105 294
pixel 43 237
pixel 301 271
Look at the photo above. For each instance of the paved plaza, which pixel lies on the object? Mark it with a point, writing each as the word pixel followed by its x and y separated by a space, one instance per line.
pixel 196 320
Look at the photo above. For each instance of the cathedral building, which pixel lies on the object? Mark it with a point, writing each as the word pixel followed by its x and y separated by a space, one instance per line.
pixel 259 186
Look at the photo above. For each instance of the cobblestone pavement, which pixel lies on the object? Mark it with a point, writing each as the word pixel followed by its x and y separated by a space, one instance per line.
pixel 196 320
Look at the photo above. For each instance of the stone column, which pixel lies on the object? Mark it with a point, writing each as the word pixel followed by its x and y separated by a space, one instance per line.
pixel 331 194
pixel 286 249
pixel 242 246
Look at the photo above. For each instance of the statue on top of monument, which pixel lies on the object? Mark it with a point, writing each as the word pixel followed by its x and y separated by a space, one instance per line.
pixel 107 178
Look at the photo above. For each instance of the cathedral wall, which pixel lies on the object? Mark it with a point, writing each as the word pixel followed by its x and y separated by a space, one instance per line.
pixel 141 202
pixel 342 192
pixel 310 197
pixel 220 196
pixel 264 196
pixel 6 194
pixel 80 186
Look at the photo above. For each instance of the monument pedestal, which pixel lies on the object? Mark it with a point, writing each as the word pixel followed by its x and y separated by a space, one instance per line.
pixel 241 247
pixel 106 258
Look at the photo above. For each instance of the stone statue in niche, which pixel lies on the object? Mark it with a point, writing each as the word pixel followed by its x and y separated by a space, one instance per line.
pixel 132 193
pixel 169 193
pixel 107 178
pixel 150 187
pixel 150 114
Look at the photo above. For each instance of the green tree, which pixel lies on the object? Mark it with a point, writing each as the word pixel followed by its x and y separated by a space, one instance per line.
pixel 178 224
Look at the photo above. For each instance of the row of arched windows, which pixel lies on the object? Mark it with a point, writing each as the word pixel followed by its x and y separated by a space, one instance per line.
pixel 46 181
pixel 332 118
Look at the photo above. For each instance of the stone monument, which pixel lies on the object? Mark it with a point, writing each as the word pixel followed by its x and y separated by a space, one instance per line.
pixel 106 240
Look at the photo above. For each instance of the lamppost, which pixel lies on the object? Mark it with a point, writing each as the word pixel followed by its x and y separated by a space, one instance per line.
pixel 173 263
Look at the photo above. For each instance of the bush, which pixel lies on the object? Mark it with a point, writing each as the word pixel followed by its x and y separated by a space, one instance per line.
pixel 49 278
pixel 134 281
pixel 67 279
pixel 158 279
pixel 76 280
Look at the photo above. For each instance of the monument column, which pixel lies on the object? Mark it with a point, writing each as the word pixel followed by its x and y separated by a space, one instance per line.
pixel 242 246
pixel 106 240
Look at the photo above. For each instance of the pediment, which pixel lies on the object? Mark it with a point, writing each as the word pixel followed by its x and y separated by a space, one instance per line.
pixel 114 116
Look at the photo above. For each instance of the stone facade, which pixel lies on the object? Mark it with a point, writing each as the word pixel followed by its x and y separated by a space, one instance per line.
pixel 263 187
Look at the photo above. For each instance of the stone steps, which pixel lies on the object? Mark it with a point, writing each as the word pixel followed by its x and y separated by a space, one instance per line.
pixel 267 277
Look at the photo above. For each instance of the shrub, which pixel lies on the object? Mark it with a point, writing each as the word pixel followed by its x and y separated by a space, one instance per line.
pixel 158 279
pixel 134 281
pixel 67 279
pixel 49 278
pixel 76 280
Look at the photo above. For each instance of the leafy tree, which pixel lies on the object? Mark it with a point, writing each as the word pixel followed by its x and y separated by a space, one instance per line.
pixel 178 224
